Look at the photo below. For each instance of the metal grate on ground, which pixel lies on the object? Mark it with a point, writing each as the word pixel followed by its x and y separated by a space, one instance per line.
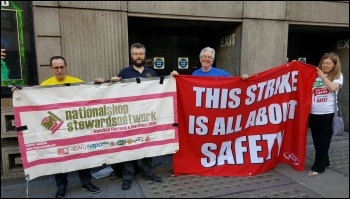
pixel 189 186
pixel 338 155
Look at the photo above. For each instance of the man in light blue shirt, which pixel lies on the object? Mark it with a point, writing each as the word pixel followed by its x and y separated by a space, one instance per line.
pixel 207 57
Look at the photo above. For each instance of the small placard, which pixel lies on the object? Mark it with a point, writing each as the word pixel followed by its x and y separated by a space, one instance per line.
pixel 302 59
pixel 158 62
pixel 182 62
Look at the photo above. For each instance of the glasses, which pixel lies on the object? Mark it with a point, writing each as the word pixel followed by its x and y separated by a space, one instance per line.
pixel 138 54
pixel 207 57
pixel 59 67
pixel 330 54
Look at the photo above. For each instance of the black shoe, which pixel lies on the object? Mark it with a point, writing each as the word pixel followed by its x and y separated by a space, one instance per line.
pixel 153 178
pixel 91 188
pixel 61 193
pixel 126 184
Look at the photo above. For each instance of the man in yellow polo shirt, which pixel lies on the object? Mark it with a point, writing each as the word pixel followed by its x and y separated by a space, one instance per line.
pixel 59 69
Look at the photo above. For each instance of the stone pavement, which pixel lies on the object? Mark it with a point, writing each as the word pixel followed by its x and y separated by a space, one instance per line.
pixel 281 182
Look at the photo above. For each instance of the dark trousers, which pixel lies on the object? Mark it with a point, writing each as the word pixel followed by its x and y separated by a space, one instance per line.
pixel 129 169
pixel 321 131
pixel 62 182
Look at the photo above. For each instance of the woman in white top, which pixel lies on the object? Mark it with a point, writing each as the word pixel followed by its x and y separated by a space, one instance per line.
pixel 328 81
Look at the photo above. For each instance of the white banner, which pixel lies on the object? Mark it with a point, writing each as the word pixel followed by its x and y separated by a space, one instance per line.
pixel 68 128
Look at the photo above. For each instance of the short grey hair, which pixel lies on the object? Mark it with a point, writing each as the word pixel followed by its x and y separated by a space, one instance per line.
pixel 137 45
pixel 207 49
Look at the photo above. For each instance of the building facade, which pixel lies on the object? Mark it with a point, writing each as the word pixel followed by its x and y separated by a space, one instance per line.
pixel 95 37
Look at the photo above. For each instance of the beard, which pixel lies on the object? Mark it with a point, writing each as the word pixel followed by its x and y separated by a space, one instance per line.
pixel 138 64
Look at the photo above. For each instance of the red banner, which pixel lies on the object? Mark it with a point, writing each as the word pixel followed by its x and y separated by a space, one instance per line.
pixel 233 127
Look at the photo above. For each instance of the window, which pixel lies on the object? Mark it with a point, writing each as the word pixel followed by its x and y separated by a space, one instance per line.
pixel 18 67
